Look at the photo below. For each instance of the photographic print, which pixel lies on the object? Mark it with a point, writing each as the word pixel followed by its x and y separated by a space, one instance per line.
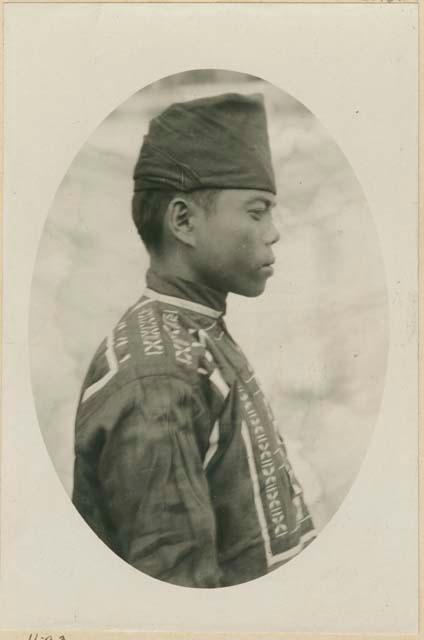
pixel 210 319
pixel 245 217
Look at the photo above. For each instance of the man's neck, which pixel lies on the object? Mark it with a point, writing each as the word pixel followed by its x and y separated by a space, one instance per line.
pixel 172 285
pixel 171 266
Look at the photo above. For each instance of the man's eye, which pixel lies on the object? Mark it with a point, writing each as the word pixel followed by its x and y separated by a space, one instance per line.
pixel 257 213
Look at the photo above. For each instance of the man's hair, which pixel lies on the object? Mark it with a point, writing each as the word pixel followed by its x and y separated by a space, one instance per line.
pixel 149 207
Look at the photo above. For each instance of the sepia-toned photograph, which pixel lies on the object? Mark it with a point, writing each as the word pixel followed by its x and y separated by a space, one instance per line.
pixel 208 329
pixel 210 320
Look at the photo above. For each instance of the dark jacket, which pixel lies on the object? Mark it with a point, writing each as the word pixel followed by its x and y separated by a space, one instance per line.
pixel 179 467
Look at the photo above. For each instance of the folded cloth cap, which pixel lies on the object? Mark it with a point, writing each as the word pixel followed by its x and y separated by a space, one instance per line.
pixel 217 142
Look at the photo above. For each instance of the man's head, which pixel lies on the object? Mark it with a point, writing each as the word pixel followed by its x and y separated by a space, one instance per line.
pixel 224 237
pixel 204 190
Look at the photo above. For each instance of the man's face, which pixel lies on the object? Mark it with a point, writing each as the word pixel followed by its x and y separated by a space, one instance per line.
pixel 234 241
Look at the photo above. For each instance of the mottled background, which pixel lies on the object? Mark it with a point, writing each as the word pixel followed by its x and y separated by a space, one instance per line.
pixel 317 337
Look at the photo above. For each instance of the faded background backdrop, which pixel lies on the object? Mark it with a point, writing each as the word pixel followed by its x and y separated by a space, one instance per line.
pixel 317 337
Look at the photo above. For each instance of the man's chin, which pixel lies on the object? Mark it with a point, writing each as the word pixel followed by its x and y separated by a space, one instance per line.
pixel 251 290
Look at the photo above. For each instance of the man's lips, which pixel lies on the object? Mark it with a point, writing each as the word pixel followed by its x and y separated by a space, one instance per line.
pixel 267 267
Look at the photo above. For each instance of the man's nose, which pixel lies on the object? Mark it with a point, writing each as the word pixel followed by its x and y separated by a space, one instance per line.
pixel 272 235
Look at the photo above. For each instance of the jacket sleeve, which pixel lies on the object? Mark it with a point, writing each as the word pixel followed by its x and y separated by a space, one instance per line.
pixel 139 480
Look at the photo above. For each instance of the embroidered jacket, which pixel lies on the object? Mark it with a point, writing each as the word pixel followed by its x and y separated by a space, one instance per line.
pixel 179 467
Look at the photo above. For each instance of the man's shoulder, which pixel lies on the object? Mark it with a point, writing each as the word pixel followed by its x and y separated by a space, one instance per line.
pixel 161 338
pixel 152 339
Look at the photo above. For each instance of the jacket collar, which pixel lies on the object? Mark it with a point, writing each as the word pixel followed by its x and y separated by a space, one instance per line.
pixel 186 294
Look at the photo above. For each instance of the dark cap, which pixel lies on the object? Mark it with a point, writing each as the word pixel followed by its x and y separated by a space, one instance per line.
pixel 218 142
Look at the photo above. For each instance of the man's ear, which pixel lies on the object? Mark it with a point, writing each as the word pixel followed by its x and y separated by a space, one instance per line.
pixel 180 219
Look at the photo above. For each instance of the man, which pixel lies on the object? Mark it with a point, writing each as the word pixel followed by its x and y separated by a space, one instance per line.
pixel 179 466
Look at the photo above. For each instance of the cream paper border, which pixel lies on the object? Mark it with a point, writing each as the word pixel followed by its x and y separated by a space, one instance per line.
pixel 50 588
